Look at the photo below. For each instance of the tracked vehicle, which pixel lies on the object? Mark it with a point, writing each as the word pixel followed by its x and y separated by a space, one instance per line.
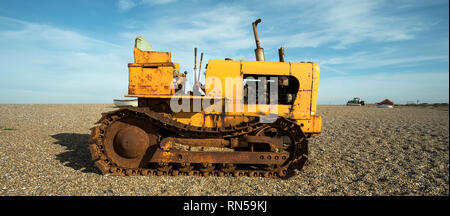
pixel 355 102
pixel 249 118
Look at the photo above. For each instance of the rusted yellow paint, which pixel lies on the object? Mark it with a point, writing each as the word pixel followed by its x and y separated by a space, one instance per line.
pixel 151 74
pixel 177 66
pixel 172 96
pixel 167 154
pixel 150 56
pixel 315 88
pixel 303 72
pixel 150 80
pixel 266 68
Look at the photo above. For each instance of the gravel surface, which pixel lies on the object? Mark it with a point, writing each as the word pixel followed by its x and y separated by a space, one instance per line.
pixel 362 151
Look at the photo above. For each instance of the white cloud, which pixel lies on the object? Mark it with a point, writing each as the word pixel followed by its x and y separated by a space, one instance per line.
pixel 156 1
pixel 125 5
pixel 219 32
pixel 69 61
pixel 341 23
pixel 377 59
pixel 53 62
pixel 29 33
pixel 340 72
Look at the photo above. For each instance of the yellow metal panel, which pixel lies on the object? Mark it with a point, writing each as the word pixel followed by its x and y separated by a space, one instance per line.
pixel 284 111
pixel 315 88
pixel 265 68
pixel 150 81
pixel 171 96
pixel 303 72
pixel 302 105
pixel 306 125
pixel 312 126
pixel 133 81
pixel 152 64
pixel 256 110
pixel 194 119
pixel 152 73
pixel 317 124
pixel 221 69
pixel 148 56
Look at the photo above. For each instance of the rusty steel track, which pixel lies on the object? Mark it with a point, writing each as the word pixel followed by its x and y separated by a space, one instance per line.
pixel 158 126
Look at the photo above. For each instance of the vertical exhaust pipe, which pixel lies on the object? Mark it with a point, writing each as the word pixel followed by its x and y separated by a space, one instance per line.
pixel 259 52
pixel 281 54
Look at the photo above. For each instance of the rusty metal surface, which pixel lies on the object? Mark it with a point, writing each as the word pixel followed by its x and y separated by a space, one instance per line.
pixel 152 64
pixel 152 140
pixel 259 51
pixel 152 79
pixel 237 157
pixel 126 141
pixel 147 57
pixel 169 142
pixel 274 143
pixel 157 161
pixel 255 32
pixel 241 142
pixel 281 54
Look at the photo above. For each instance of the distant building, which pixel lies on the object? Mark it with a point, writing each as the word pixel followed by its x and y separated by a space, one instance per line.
pixel 385 104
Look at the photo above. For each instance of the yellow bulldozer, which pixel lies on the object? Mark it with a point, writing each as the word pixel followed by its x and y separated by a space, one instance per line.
pixel 248 118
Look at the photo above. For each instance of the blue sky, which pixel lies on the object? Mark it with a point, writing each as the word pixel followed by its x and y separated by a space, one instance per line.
pixel 77 51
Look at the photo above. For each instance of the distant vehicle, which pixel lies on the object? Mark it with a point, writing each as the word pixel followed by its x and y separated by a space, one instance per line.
pixel 355 102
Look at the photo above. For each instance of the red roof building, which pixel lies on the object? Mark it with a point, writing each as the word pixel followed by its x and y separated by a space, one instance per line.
pixel 386 102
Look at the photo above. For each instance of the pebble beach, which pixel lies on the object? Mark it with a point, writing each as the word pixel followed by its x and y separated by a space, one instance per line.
pixel 361 151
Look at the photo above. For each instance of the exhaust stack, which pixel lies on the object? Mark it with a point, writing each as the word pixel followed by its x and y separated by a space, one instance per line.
pixel 259 51
pixel 281 54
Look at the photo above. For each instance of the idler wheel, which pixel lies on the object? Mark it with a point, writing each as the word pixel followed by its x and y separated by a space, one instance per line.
pixel 131 142
pixel 128 142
